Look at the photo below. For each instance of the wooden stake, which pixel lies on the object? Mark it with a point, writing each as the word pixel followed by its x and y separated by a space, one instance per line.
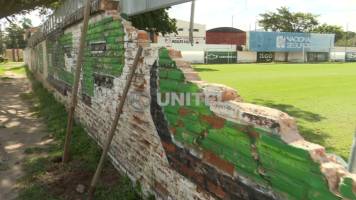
pixel 119 109
pixel 75 88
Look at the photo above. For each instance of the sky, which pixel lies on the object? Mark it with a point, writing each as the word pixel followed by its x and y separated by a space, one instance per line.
pixel 243 14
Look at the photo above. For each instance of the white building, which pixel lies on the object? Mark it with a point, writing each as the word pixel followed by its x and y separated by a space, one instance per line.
pixel 180 41
pixel 199 34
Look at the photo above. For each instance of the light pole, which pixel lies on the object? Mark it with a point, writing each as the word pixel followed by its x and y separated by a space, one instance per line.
pixel 191 27
pixel 346 38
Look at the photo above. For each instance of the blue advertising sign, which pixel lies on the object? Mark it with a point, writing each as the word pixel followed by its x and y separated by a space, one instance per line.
pixel 290 42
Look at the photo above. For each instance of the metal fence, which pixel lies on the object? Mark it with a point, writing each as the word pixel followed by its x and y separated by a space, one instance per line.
pixel 67 8
pixel 69 12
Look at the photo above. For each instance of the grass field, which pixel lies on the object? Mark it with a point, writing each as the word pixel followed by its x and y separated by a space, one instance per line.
pixel 13 67
pixel 322 97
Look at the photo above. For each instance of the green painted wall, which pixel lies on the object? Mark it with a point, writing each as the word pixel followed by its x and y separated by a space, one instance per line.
pixel 104 54
pixel 109 34
pixel 290 171
pixel 56 57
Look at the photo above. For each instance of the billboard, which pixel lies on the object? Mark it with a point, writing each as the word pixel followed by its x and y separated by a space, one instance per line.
pixel 135 7
pixel 290 42
pixel 220 57
pixel 265 57
pixel 351 57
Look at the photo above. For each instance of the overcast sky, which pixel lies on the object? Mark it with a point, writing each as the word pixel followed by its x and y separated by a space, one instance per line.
pixel 217 13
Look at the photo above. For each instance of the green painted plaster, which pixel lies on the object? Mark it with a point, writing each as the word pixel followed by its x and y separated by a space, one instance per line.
pixel 290 171
pixel 109 33
pixel 57 50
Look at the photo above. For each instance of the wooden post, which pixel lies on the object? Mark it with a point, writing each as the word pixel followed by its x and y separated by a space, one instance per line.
pixel 352 159
pixel 114 125
pixel 75 88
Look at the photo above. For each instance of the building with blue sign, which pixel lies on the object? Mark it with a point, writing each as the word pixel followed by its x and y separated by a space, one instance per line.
pixel 290 47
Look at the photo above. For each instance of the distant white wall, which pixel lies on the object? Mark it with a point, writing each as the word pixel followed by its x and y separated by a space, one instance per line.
pixel 246 57
pixel 193 56
pixel 296 57
pixel 200 47
pixel 337 56
pixel 292 56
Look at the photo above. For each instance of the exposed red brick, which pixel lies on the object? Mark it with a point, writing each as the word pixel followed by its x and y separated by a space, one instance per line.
pixel 183 112
pixel 108 5
pixel 219 163
pixel 180 123
pixel 161 190
pixel 225 38
pixel 142 35
pixel 175 54
pixel 192 174
pixel 217 190
pixel 252 133
pixel 173 129
pixel 170 148
pixel 229 95
pixel 214 121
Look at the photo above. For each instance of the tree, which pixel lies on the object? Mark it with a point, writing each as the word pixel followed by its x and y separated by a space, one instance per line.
pixel 18 7
pixel 325 28
pixel 26 23
pixel 155 22
pixel 285 21
pixel 2 42
pixel 348 39
pixel 15 38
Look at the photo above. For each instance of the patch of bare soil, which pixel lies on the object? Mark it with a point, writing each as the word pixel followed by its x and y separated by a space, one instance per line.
pixel 71 182
pixel 19 130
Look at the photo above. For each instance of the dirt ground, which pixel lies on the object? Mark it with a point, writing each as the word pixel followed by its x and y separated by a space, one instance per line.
pixel 19 130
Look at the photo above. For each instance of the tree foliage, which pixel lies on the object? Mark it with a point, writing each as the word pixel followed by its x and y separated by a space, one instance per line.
pixel 14 38
pixel 155 22
pixel 19 7
pixel 347 39
pixel 325 28
pixel 2 42
pixel 285 21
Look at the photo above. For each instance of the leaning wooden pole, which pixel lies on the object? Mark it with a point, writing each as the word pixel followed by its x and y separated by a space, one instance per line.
pixel 114 125
pixel 75 88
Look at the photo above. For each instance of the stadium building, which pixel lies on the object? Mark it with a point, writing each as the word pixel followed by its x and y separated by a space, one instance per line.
pixel 182 35
pixel 290 47
pixel 231 45
pixel 226 35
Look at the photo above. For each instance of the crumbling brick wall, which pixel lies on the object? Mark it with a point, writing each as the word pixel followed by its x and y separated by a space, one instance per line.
pixel 222 149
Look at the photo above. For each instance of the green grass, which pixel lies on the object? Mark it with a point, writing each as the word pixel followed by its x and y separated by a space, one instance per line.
pixel 322 97
pixel 85 155
pixel 14 67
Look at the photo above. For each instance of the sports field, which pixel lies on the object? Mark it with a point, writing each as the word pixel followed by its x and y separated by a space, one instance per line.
pixel 322 97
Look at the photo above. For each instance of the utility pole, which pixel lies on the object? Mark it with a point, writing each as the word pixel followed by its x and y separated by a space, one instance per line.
pixel 75 88
pixel 191 27
pixel 346 39
pixel 232 22
pixel 1 40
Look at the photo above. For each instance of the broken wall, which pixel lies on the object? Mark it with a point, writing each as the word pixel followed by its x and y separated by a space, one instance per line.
pixel 222 148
